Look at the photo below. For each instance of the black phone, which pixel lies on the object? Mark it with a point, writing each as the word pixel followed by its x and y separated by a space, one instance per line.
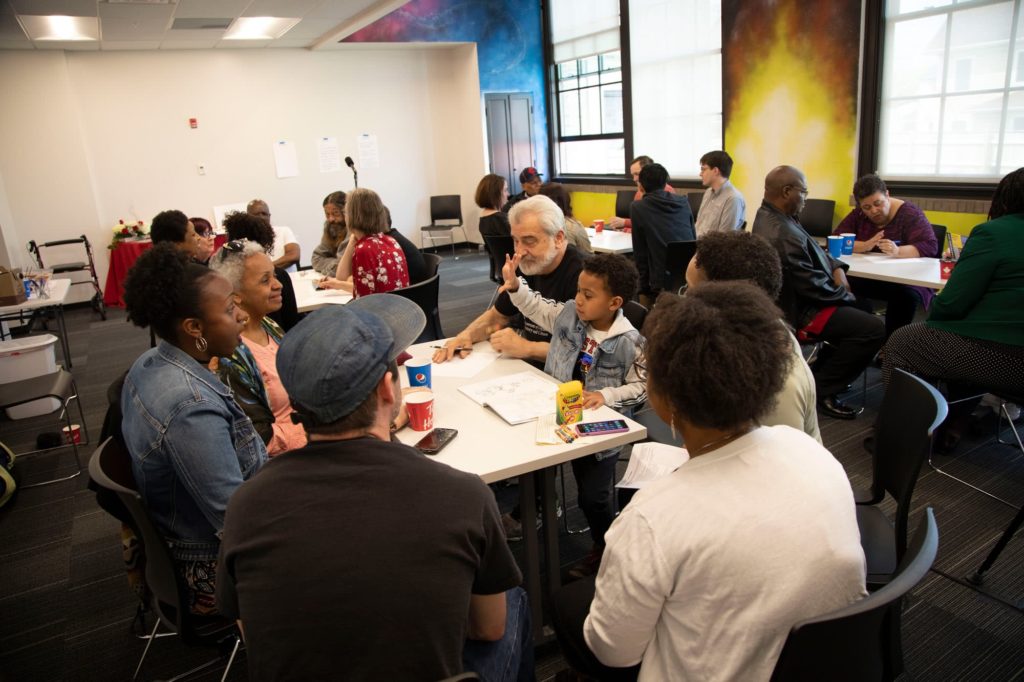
pixel 434 442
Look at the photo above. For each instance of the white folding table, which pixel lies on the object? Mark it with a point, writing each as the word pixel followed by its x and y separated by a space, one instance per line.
pixel 56 293
pixel 308 298
pixel 920 272
pixel 610 241
pixel 494 450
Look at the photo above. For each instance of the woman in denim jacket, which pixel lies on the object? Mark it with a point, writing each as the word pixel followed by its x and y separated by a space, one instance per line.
pixel 191 445
pixel 592 341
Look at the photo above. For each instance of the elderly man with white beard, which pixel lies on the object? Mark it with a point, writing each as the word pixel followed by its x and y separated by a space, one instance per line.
pixel 551 266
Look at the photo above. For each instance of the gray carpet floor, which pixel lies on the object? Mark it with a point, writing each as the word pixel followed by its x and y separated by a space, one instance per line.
pixel 66 611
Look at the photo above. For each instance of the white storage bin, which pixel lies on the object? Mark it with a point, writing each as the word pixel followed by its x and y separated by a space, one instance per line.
pixel 25 358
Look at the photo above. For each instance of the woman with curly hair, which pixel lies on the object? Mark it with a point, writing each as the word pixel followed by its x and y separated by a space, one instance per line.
pixel 251 371
pixel 708 568
pixel 191 445
pixel 373 262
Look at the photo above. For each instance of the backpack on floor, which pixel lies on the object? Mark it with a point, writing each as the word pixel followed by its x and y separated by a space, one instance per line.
pixel 7 483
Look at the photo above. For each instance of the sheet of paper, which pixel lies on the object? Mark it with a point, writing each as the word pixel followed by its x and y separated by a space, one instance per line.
pixel 517 398
pixel 286 161
pixel 467 367
pixel 219 212
pixel 329 154
pixel 369 154
pixel 546 425
pixel 650 461
pixel 882 258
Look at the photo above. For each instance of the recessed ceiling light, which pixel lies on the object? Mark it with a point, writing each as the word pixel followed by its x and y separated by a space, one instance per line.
pixel 59 27
pixel 259 28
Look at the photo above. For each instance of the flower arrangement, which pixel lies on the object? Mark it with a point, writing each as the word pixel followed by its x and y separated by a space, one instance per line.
pixel 123 230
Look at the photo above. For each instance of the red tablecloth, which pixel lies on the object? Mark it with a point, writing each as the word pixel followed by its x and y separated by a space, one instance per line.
pixel 121 261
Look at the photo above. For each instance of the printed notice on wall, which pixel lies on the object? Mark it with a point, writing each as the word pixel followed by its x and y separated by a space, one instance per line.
pixel 369 156
pixel 285 159
pixel 330 155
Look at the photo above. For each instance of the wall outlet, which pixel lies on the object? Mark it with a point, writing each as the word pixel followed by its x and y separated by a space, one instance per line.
pixel 202 169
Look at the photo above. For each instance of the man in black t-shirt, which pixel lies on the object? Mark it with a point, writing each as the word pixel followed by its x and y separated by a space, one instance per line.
pixel 356 557
pixel 531 181
pixel 551 266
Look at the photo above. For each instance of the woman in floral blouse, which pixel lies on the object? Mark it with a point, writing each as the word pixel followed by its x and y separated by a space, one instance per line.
pixel 373 262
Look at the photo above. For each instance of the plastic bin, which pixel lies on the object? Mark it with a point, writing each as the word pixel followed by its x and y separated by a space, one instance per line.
pixel 25 358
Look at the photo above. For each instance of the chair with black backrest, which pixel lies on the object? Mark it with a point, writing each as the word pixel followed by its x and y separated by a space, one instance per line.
pixel 940 238
pixel 111 469
pixel 425 296
pixel 445 216
pixel 498 247
pixel 695 198
pixel 635 313
pixel 432 261
pixel 677 259
pixel 817 217
pixel 861 641
pixel 88 266
pixel 911 411
pixel 623 200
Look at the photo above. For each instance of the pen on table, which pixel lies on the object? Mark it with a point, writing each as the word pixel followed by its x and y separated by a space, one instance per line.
pixel 457 349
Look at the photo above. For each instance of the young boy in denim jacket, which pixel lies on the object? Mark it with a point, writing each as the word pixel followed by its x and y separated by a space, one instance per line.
pixel 592 341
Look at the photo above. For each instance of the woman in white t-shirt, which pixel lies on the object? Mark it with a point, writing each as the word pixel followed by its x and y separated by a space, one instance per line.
pixel 708 568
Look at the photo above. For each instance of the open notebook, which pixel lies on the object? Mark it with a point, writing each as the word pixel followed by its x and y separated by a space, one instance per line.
pixel 517 398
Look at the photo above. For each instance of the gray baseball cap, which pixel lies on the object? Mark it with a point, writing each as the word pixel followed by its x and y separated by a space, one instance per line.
pixel 331 361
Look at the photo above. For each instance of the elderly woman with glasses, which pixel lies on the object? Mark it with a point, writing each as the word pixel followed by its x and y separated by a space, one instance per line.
pixel 205 240
pixel 251 371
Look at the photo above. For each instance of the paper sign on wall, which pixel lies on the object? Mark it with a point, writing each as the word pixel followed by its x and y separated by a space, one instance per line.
pixel 369 156
pixel 330 155
pixel 285 159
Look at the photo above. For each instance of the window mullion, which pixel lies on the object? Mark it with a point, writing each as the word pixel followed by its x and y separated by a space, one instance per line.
pixel 1011 53
pixel 942 91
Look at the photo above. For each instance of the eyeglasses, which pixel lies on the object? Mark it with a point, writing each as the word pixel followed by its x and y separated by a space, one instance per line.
pixel 233 246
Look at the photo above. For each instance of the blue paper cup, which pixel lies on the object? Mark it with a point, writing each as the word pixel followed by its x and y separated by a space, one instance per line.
pixel 848 239
pixel 419 371
pixel 835 245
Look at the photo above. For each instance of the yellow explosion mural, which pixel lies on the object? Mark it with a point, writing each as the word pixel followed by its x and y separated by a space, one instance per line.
pixel 790 93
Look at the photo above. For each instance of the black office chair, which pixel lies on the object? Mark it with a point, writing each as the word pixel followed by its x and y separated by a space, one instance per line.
pixel 445 216
pixel 861 641
pixel 817 217
pixel 623 200
pixel 425 296
pixel 911 411
pixel 695 198
pixel 432 261
pixel 635 313
pixel 677 259
pixel 111 469
pixel 88 265
pixel 940 238
pixel 498 247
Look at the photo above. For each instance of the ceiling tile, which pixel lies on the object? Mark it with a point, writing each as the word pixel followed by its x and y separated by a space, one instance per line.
pixel 199 9
pixel 71 8
pixel 5 7
pixel 342 10
pixel 311 28
pixel 290 43
pixel 69 45
pixel 10 29
pixel 134 22
pixel 198 34
pixel 176 44
pixel 16 44
pixel 279 8
pixel 243 44
pixel 109 45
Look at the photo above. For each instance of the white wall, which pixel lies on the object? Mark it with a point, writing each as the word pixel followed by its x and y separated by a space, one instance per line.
pixel 90 138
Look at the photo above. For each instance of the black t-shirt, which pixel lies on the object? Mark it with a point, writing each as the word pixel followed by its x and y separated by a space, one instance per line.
pixel 413 257
pixel 513 200
pixel 356 560
pixel 559 285
pixel 495 225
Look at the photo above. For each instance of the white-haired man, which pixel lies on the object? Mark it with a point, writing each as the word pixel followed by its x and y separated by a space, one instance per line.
pixel 551 266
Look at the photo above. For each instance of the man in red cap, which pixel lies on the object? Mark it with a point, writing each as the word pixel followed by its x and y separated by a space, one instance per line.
pixel 531 181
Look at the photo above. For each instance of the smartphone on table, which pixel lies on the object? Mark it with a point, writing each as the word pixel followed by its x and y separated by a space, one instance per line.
pixel 602 428
pixel 434 442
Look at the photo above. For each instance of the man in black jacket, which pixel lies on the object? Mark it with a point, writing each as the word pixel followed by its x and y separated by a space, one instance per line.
pixel 658 218
pixel 816 298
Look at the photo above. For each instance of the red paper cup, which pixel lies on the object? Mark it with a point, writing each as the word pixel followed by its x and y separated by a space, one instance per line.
pixel 421 410
pixel 74 435
pixel 598 225
pixel 946 268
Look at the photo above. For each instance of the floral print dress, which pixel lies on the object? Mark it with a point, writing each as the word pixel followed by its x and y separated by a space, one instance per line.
pixel 378 265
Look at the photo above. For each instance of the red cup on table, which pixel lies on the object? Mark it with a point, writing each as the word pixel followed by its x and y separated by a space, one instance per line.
pixel 420 406
pixel 598 226
pixel 946 266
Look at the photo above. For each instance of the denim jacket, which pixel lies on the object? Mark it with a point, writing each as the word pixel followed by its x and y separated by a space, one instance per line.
pixel 191 447
pixel 619 371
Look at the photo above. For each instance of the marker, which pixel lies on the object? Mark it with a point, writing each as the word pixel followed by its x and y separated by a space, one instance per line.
pixel 458 349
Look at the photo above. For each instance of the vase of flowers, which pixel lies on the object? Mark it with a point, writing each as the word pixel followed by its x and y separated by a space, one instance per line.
pixel 123 231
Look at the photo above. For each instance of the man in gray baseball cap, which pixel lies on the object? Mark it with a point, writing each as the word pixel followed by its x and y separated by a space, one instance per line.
pixel 357 553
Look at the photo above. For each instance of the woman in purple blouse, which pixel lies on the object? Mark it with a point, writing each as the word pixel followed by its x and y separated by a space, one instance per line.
pixel 896 228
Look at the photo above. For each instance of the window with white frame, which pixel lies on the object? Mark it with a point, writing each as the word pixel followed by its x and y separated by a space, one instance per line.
pixel 588 86
pixel 952 90
pixel 676 71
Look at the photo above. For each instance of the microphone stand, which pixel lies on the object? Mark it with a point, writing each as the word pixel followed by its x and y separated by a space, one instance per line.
pixel 355 176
